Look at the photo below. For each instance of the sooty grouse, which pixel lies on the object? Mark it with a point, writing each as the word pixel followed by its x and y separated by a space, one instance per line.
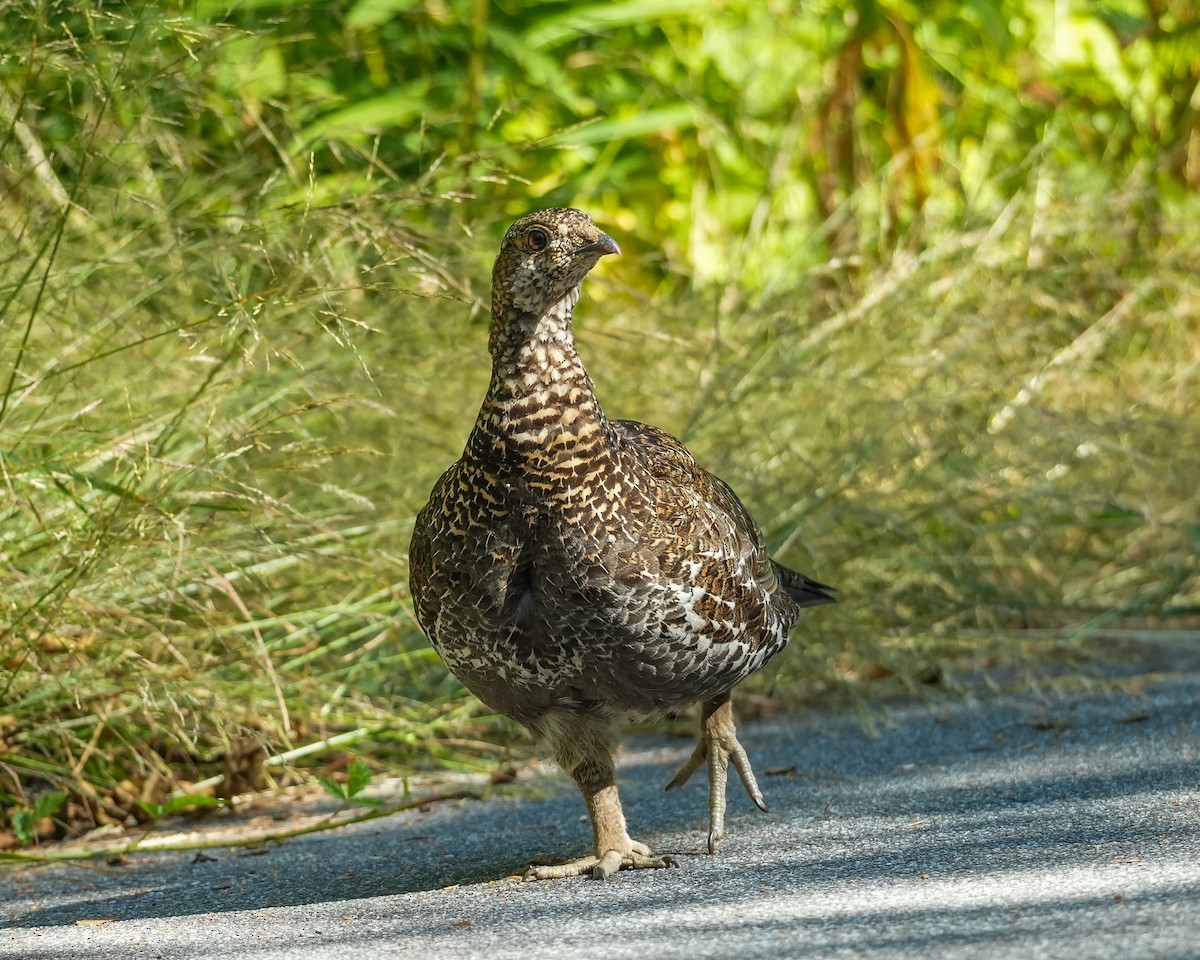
pixel 572 570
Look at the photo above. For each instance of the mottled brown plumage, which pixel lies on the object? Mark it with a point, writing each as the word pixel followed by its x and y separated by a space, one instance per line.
pixel 572 570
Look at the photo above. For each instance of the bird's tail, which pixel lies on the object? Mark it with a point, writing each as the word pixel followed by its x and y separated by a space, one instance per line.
pixel 804 590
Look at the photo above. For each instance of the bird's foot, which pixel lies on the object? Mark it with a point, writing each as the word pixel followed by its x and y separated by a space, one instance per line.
pixel 636 857
pixel 718 746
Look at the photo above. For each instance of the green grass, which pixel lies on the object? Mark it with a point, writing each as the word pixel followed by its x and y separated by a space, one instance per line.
pixel 226 389
pixel 205 539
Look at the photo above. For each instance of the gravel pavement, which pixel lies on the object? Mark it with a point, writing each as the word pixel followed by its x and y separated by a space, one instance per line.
pixel 1018 827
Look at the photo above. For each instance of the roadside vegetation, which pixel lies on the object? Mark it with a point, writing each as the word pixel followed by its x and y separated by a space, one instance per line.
pixel 919 282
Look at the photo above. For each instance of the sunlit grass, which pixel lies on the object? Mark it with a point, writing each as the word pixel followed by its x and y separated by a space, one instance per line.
pixel 205 540
pixel 225 393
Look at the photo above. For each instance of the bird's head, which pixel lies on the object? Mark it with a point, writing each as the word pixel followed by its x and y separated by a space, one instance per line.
pixel 544 258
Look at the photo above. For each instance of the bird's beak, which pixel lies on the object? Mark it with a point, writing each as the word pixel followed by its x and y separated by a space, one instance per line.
pixel 605 244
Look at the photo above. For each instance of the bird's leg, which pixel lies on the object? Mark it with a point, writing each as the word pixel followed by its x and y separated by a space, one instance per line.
pixel 613 849
pixel 718 745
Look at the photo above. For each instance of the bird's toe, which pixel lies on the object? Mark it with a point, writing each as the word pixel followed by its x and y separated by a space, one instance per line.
pixel 637 856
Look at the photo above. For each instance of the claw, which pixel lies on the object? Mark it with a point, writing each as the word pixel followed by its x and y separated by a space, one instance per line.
pixel 603 867
pixel 693 764
pixel 718 746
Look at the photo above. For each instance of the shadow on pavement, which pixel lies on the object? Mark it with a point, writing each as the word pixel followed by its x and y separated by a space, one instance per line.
pixel 974 797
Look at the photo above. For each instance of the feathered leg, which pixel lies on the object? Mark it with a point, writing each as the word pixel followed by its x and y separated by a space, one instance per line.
pixel 718 745
pixel 583 745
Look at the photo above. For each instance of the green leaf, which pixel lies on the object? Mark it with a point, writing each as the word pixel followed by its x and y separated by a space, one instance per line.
pixel 220 9
pixel 48 804
pixel 358 777
pixel 373 13
pixel 22 823
pixel 603 16
pixel 540 69
pixel 336 790
pixel 25 820
pixel 677 116
pixel 176 804
pixel 393 109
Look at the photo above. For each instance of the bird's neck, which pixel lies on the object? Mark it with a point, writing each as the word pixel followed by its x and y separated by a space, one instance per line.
pixel 541 409
pixel 517 338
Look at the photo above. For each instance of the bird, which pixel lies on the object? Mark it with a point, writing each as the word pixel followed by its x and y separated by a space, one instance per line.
pixel 574 571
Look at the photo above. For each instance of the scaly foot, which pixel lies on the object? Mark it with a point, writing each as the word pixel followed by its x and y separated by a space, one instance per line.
pixel 637 857
pixel 718 745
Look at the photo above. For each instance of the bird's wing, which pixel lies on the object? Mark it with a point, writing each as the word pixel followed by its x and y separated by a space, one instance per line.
pixel 695 502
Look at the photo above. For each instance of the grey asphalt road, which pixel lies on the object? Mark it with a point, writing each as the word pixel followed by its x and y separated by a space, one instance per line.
pixel 1020 827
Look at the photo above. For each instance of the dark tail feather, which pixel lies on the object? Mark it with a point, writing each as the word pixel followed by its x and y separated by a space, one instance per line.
pixel 804 590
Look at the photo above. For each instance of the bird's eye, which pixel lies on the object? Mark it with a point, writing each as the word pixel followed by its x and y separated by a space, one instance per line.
pixel 538 239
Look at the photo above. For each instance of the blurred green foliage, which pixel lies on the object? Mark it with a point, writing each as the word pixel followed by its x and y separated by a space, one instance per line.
pixel 918 279
pixel 739 134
